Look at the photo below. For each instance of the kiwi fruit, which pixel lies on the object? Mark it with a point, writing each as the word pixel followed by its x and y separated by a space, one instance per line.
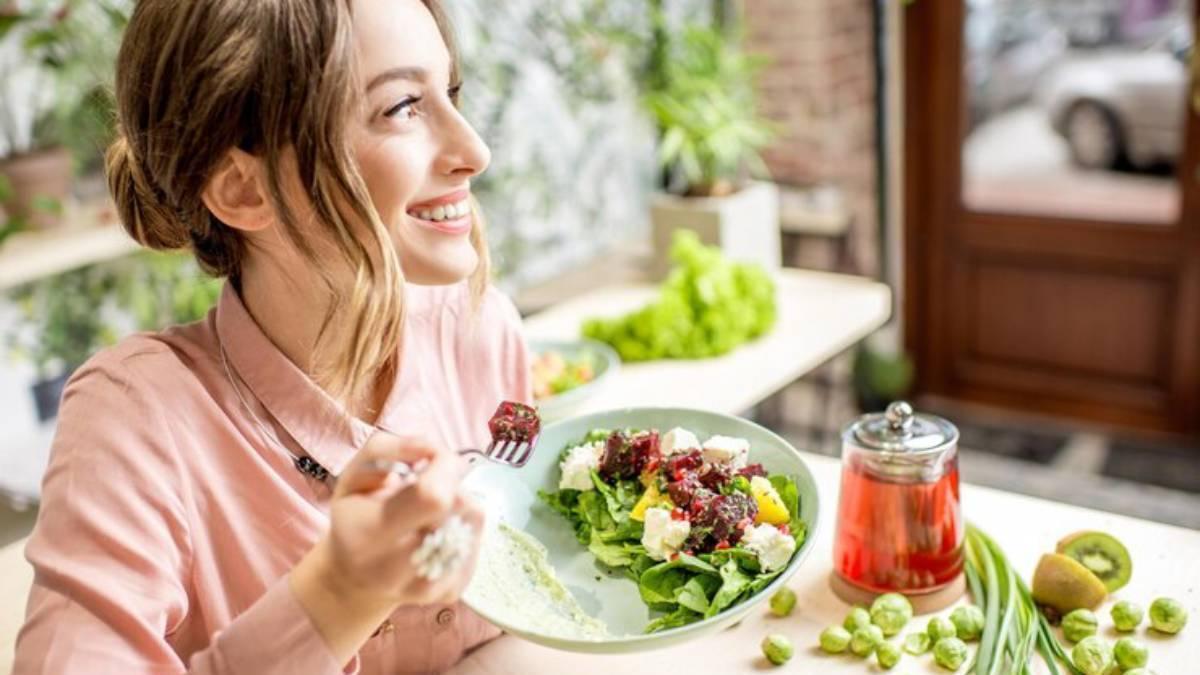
pixel 1102 554
pixel 1066 585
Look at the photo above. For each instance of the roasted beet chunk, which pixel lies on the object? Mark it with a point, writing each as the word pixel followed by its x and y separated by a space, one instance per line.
pixel 681 463
pixel 715 476
pixel 646 449
pixel 681 491
pixel 718 519
pixel 626 456
pixel 753 470
pixel 514 422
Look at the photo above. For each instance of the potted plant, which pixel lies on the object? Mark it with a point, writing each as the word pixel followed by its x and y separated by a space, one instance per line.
pixel 62 325
pixel 55 106
pixel 11 224
pixel 165 289
pixel 881 373
pixel 700 93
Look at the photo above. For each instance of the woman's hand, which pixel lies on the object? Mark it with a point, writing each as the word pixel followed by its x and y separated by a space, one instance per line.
pixel 361 570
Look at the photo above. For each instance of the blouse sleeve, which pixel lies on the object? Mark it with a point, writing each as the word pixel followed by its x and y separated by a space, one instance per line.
pixel 111 554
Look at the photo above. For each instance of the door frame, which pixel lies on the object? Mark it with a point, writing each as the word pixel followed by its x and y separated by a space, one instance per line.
pixel 939 232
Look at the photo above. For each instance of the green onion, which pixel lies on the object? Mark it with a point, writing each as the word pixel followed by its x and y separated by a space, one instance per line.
pixel 1014 628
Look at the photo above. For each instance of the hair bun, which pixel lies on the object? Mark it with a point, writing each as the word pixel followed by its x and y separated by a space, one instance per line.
pixel 141 206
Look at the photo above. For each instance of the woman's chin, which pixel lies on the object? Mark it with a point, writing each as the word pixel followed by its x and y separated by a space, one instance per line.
pixel 443 267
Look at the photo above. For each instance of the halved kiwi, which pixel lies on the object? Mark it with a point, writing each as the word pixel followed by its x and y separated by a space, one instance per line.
pixel 1065 585
pixel 1102 554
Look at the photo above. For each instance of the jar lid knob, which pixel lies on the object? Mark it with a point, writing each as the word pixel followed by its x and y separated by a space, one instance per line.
pixel 899 416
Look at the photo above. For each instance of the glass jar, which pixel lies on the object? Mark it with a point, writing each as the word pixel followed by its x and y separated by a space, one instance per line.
pixel 900 525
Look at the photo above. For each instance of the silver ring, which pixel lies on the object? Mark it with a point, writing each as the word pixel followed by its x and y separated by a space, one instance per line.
pixel 444 550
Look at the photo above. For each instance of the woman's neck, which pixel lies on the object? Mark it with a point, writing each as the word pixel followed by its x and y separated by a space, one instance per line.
pixel 270 296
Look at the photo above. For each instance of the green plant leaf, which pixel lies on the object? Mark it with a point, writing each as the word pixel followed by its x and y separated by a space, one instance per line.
pixel 9 21
pixel 46 204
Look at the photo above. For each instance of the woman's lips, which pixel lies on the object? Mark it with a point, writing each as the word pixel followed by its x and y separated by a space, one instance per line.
pixel 449 213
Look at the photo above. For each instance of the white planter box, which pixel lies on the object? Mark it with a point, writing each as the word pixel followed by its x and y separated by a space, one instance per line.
pixel 745 225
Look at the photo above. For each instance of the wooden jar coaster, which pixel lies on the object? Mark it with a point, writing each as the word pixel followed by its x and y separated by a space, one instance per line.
pixel 923 603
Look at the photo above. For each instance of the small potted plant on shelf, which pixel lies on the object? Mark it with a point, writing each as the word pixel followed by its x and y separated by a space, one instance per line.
pixel 62 324
pixel 55 109
pixel 882 373
pixel 700 93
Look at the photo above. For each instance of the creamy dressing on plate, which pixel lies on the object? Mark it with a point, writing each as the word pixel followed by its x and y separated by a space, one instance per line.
pixel 515 581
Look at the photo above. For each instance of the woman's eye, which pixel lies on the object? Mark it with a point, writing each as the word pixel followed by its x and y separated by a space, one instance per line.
pixel 405 109
pixel 453 93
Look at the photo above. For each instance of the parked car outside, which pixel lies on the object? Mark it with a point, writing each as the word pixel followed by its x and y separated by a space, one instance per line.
pixel 1122 106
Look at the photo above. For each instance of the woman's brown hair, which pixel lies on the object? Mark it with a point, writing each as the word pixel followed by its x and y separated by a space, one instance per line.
pixel 196 78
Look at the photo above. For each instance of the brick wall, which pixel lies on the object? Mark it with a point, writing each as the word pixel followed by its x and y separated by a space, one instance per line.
pixel 820 87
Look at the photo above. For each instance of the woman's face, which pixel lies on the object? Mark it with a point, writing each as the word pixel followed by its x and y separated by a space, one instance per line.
pixel 415 151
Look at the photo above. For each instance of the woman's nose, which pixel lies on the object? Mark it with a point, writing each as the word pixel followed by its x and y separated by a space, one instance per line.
pixel 464 154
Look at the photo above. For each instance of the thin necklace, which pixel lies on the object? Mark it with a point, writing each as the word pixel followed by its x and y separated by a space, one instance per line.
pixel 303 463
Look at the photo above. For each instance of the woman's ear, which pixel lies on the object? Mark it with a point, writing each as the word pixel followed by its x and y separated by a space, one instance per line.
pixel 237 192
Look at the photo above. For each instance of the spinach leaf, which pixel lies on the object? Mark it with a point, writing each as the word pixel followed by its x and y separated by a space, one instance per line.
pixel 790 494
pixel 745 559
pixel 614 555
pixel 680 617
pixel 658 584
pixel 733 582
pixel 695 593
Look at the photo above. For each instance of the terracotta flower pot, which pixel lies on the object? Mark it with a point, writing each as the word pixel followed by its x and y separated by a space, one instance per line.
pixel 42 173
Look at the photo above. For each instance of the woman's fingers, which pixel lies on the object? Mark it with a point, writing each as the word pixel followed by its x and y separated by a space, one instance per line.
pixel 430 499
pixel 368 472
pixel 449 588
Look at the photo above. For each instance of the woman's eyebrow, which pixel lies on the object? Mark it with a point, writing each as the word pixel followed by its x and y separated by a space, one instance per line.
pixel 415 73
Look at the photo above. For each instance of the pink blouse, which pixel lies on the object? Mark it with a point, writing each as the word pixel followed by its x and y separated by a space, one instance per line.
pixel 170 516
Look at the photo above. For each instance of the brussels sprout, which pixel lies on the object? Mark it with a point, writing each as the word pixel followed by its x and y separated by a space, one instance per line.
pixel 891 611
pixel 1167 616
pixel 777 648
pixel 968 622
pixel 1092 656
pixel 1130 653
pixel 865 640
pixel 950 653
pixel 857 618
pixel 835 639
pixel 917 643
pixel 941 627
pixel 1079 624
pixel 887 654
pixel 1127 616
pixel 783 602
pixel 1139 671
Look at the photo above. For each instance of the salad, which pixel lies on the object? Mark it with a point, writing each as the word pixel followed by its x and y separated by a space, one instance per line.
pixel 695 525
pixel 553 373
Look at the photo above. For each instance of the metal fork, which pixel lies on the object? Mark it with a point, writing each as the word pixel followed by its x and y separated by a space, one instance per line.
pixel 515 454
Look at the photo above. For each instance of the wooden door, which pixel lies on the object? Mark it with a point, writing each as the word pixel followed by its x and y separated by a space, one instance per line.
pixel 1052 216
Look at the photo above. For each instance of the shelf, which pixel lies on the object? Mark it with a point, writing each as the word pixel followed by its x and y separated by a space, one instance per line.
pixel 91 234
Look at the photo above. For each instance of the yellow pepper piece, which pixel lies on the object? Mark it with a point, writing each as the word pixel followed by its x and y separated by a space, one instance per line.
pixel 650 498
pixel 770 507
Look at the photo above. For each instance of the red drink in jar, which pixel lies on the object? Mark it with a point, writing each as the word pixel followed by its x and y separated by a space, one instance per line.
pixel 900 525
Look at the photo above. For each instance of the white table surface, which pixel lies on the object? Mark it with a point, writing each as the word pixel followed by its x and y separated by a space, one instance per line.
pixel 820 315
pixel 1165 563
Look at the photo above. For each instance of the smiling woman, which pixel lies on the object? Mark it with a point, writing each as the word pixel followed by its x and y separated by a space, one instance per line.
pixel 312 153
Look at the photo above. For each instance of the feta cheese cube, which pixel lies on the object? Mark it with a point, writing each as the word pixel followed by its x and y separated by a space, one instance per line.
pixel 663 535
pixel 578 465
pixel 773 548
pixel 727 450
pixel 678 440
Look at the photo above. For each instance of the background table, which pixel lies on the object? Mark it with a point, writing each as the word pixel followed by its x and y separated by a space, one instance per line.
pixel 820 315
